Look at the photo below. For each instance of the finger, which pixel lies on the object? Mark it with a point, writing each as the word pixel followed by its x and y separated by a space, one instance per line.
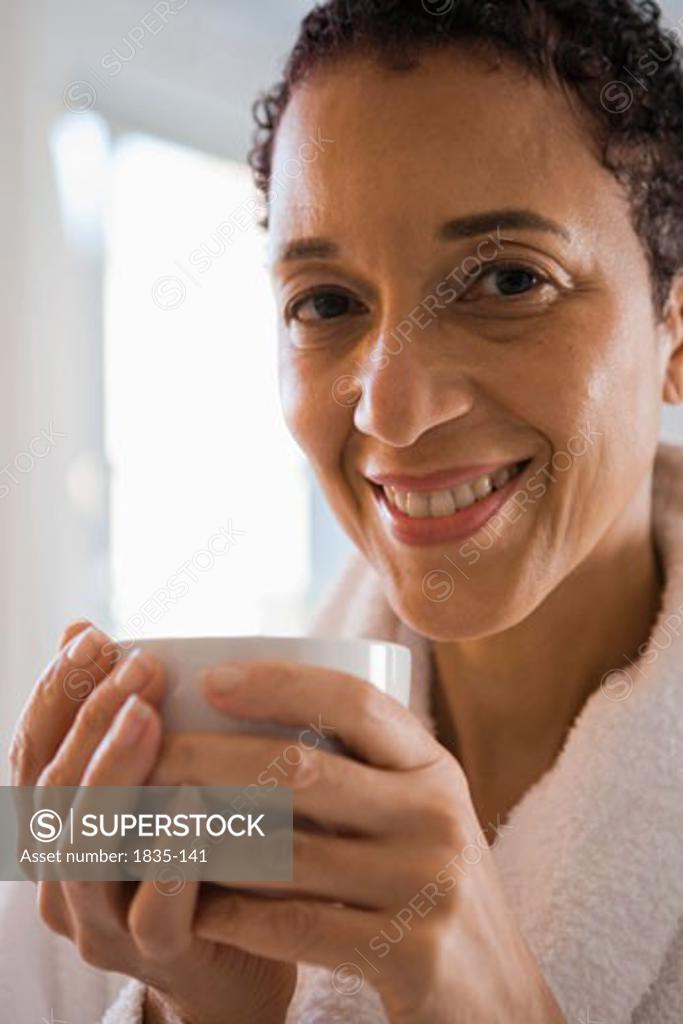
pixel 160 918
pixel 372 725
pixel 72 630
pixel 50 901
pixel 139 673
pixel 53 909
pixel 126 753
pixel 54 703
pixel 366 800
pixel 97 912
pixel 286 930
pixel 67 768
pixel 123 758
pixel 348 870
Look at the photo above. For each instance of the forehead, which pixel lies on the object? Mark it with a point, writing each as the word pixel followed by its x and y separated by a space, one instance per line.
pixel 398 152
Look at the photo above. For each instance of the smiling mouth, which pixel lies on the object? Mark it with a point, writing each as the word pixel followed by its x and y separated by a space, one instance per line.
pixel 439 504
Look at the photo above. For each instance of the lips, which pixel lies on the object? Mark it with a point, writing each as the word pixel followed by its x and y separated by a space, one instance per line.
pixel 449 505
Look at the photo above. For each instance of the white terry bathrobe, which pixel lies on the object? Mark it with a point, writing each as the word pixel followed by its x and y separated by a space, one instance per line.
pixel 591 860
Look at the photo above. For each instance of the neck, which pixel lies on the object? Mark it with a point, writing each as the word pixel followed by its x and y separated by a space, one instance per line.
pixel 510 698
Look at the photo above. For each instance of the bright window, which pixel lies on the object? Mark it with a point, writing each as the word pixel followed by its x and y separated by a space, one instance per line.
pixel 209 503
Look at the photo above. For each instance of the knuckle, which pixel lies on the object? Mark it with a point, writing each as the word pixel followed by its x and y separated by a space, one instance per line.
pixel 97 932
pixel 95 716
pixel 371 706
pixel 24 764
pixel 76 683
pixel 302 853
pixel 53 775
pixel 90 949
pixel 442 825
pixel 449 831
pixel 51 909
pixel 135 924
pixel 306 769
pixel 79 895
pixel 153 939
pixel 452 781
pixel 143 936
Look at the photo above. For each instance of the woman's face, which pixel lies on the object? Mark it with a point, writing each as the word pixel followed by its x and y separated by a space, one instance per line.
pixel 470 356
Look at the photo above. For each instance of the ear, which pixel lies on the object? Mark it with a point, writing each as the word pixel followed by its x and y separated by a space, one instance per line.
pixel 673 324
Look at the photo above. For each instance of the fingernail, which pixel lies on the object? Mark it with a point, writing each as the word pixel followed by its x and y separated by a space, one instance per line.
pixel 131 722
pixel 86 647
pixel 134 673
pixel 224 678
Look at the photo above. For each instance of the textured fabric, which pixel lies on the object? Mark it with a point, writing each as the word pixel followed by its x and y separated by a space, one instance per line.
pixel 129 1007
pixel 591 858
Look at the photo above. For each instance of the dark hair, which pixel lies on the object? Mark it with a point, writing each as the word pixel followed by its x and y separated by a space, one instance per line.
pixel 614 55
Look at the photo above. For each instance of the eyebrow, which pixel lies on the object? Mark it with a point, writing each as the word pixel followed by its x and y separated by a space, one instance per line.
pixel 308 249
pixel 482 223
pixel 459 227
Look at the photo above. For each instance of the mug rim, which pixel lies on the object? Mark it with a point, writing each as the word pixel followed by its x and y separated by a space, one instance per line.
pixel 346 641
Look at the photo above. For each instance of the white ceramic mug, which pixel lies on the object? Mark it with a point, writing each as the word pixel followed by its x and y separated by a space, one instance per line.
pixel 185 709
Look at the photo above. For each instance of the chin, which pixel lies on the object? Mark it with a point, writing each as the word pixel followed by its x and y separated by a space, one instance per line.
pixel 442 606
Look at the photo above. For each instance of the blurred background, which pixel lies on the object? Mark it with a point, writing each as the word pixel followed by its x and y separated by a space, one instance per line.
pixel 146 477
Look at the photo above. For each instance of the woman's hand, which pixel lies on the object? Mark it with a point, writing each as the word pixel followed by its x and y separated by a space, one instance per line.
pixel 91 721
pixel 399 887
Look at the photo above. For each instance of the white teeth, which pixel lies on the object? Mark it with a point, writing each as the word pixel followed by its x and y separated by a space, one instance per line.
pixel 482 487
pixel 401 500
pixel 435 504
pixel 418 505
pixel 442 503
pixel 464 497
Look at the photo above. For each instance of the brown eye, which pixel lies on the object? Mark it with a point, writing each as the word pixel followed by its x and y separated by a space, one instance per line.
pixel 324 305
pixel 515 281
pixel 506 282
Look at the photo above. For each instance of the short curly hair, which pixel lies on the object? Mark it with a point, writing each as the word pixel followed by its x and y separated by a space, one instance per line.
pixel 615 56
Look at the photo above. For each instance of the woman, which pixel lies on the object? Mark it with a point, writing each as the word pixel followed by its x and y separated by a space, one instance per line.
pixel 473 221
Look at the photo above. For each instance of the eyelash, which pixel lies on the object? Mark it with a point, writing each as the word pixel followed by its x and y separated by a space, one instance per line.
pixel 541 279
pixel 294 307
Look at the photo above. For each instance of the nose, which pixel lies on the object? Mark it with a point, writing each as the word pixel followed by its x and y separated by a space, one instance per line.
pixel 407 387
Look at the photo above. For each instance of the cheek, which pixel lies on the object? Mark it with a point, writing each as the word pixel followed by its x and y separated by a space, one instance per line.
pixel 595 370
pixel 595 393
pixel 320 419
pixel 316 419
pixel 297 399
